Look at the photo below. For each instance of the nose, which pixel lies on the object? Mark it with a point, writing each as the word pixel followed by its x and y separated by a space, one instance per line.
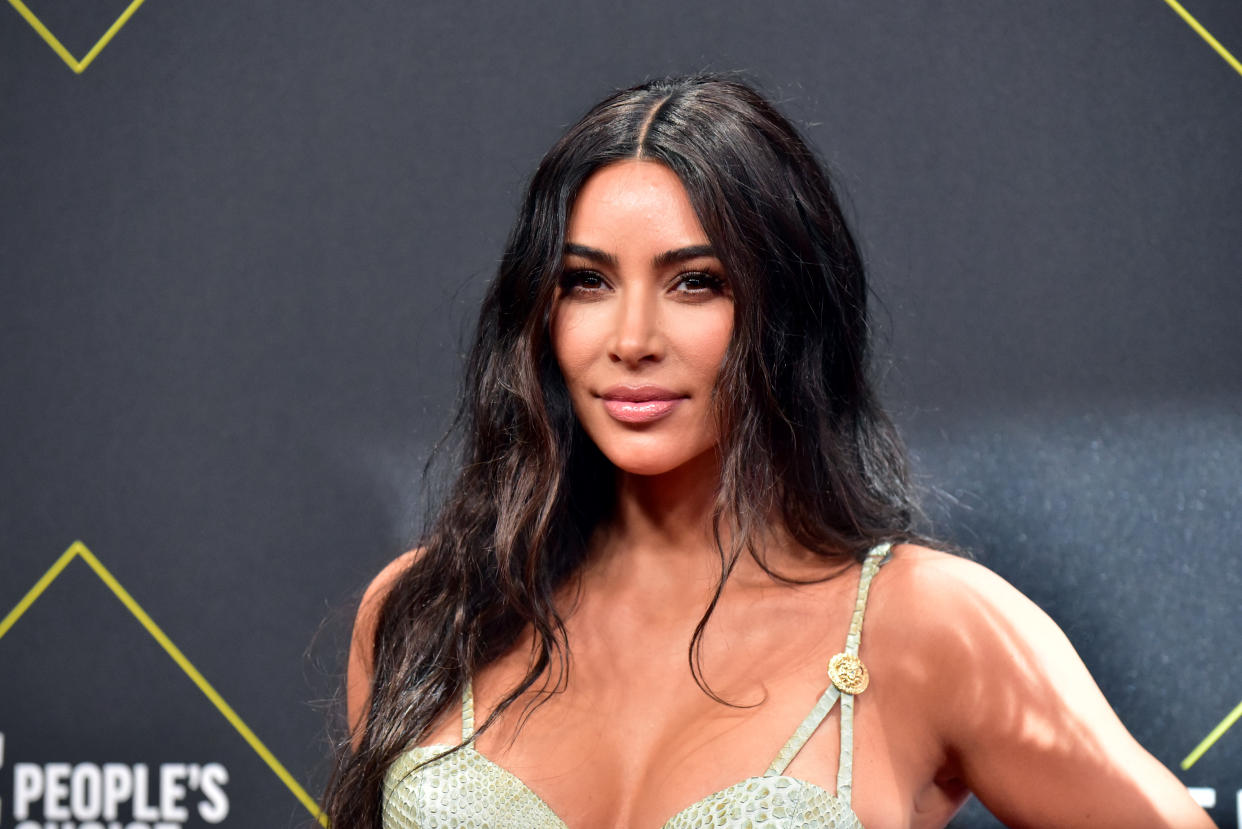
pixel 636 337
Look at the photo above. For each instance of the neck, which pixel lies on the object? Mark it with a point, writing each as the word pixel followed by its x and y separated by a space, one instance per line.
pixel 675 507
pixel 661 534
pixel 661 527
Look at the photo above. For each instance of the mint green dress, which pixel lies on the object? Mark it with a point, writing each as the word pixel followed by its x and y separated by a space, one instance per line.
pixel 465 790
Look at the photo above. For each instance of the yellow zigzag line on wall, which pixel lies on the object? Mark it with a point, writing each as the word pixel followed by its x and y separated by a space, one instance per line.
pixel 76 65
pixel 1214 735
pixel 1211 41
pixel 1233 716
pixel 78 550
pixel 79 66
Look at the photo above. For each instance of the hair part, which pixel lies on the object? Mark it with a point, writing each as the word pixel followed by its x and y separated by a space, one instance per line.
pixel 803 442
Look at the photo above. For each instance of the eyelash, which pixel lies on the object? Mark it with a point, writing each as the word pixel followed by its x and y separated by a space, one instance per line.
pixel 572 282
pixel 710 282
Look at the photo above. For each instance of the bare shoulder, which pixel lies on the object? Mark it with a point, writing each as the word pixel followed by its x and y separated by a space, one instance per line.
pixel 362 642
pixel 377 590
pixel 949 594
pixel 913 566
pixel 1016 711
pixel 974 633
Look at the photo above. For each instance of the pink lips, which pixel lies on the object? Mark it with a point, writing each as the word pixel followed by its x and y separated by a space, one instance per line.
pixel 640 404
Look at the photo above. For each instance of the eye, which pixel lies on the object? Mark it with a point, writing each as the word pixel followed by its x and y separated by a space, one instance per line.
pixel 699 284
pixel 582 282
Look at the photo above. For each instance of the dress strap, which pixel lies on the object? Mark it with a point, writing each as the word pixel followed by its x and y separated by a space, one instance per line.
pixel 845 768
pixel 845 771
pixel 467 712
pixel 804 732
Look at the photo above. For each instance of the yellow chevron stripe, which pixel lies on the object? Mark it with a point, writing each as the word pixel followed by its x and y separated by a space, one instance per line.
pixel 79 550
pixel 78 66
pixel 1206 35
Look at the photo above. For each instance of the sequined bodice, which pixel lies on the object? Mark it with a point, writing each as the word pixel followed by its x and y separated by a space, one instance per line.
pixel 465 790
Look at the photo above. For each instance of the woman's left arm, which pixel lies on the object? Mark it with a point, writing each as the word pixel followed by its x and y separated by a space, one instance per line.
pixel 1027 728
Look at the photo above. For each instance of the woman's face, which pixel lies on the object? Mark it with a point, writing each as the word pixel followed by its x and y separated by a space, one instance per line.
pixel 642 319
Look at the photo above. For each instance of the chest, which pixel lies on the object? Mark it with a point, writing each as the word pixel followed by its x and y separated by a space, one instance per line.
pixel 630 738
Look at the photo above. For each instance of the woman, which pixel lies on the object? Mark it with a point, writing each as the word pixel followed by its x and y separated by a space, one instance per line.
pixel 676 495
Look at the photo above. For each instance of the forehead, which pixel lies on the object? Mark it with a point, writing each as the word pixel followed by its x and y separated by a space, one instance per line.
pixel 631 203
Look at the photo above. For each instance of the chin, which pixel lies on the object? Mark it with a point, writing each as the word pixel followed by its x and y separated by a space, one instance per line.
pixel 650 461
pixel 645 469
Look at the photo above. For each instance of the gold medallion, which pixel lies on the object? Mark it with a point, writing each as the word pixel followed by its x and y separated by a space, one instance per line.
pixel 848 673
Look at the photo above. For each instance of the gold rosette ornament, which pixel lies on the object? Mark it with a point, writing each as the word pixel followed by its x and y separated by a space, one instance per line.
pixel 848 673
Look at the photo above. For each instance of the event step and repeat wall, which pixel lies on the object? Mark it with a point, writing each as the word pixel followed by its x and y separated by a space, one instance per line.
pixel 241 245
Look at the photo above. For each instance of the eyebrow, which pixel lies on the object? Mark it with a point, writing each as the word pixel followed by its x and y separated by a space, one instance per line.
pixel 669 257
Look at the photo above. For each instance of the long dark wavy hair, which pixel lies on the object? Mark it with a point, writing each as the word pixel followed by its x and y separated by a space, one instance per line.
pixel 804 443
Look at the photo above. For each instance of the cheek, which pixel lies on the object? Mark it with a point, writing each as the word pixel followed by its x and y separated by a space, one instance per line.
pixel 571 343
pixel 706 344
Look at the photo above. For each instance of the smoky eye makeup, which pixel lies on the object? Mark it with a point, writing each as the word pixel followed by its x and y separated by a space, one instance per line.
pixel 701 281
pixel 580 281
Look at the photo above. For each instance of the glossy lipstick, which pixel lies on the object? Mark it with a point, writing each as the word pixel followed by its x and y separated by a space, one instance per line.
pixel 640 404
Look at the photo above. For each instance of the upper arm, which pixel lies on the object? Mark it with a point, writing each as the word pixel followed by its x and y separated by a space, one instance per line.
pixel 1023 722
pixel 361 671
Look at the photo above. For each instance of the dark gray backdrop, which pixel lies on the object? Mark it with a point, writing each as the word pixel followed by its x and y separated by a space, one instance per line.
pixel 238 252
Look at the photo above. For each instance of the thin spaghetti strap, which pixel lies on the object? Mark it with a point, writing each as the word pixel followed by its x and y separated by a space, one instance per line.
pixel 833 692
pixel 857 673
pixel 785 756
pixel 467 712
